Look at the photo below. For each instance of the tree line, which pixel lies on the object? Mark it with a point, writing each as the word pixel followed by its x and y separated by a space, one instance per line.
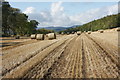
pixel 14 22
pixel 108 22
pixel 44 31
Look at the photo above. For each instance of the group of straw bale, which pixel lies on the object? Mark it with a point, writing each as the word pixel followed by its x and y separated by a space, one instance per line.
pixel 108 30
pixel 51 36
pixel 42 36
pixel 79 32
pixel 99 31
pixel 113 30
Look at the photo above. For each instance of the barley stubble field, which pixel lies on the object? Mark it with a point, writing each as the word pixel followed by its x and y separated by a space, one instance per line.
pixel 71 56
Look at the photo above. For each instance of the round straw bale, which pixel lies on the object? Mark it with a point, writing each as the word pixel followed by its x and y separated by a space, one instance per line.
pixel 101 31
pixel 89 32
pixel 51 36
pixel 78 32
pixel 33 36
pixel 68 33
pixel 73 32
pixel 40 36
pixel 62 33
pixel 118 29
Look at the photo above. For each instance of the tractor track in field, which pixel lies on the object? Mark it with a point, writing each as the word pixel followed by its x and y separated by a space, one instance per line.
pixel 113 59
pixel 102 60
pixel 59 69
pixel 57 63
pixel 27 61
pixel 83 61
pixel 45 66
pixel 13 67
pixel 86 60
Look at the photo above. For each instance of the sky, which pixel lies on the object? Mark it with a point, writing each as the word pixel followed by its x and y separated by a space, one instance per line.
pixel 65 14
pixel 64 0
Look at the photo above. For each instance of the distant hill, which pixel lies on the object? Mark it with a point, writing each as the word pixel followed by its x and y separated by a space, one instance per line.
pixel 74 26
pixel 57 29
pixel 107 22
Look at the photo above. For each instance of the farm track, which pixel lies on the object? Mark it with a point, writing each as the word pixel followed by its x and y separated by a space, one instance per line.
pixel 102 66
pixel 16 61
pixel 65 67
pixel 110 50
pixel 83 58
pixel 44 66
pixel 33 59
pixel 77 57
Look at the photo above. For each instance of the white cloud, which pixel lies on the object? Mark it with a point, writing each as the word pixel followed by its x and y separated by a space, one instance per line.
pixel 94 14
pixel 56 9
pixel 57 17
pixel 29 10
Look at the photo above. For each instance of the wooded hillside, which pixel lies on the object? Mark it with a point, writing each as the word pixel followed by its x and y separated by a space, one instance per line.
pixel 14 22
pixel 108 22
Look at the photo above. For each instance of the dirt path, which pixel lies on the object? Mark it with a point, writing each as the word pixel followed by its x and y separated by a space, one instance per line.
pixel 99 63
pixel 110 49
pixel 83 58
pixel 44 66
pixel 69 64
pixel 32 59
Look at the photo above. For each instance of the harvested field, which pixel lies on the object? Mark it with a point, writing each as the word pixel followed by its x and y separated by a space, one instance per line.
pixel 10 42
pixel 92 55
